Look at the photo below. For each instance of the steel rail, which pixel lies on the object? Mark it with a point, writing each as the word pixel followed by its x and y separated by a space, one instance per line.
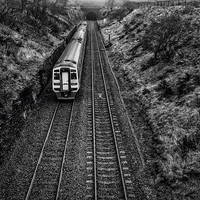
pixel 111 119
pixel 93 119
pixel 41 153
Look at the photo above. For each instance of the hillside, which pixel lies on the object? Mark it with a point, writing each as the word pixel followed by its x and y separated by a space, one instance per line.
pixel 155 54
pixel 32 37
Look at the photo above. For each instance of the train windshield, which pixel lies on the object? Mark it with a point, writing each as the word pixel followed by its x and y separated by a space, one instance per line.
pixel 73 76
pixel 56 76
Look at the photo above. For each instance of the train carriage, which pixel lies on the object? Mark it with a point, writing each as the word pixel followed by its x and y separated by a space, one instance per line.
pixel 67 70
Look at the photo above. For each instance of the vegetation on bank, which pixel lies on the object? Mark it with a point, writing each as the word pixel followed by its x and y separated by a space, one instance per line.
pixel 155 55
pixel 31 37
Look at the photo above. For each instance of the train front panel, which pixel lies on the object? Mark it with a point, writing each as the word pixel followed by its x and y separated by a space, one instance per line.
pixel 65 82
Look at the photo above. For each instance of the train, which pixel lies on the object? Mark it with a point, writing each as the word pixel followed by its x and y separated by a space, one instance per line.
pixel 67 71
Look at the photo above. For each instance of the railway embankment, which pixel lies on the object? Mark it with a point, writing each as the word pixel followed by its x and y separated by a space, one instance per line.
pixel 159 82
pixel 27 97
pixel 29 49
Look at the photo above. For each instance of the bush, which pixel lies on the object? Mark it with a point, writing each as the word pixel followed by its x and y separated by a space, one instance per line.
pixel 137 25
pixel 55 28
pixel 164 36
pixel 121 37
pixel 188 9
pixel 166 89
pixel 118 14
pixel 126 27
pixel 147 63
pixel 129 5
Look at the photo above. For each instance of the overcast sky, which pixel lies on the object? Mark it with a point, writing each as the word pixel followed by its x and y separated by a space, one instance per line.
pixel 98 1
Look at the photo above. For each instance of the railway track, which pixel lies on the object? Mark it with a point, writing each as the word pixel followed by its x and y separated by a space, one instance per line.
pixel 46 179
pixel 97 165
pixel 108 175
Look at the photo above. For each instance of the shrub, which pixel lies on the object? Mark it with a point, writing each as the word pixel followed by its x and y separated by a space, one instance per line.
pixel 188 9
pixel 133 21
pixel 55 28
pixel 121 37
pixel 118 14
pixel 129 5
pixel 163 36
pixel 126 27
pixel 149 62
pixel 166 89
pixel 196 79
pixel 137 25
pixel 188 143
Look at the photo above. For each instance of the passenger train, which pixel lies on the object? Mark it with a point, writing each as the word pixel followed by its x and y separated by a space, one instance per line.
pixel 67 71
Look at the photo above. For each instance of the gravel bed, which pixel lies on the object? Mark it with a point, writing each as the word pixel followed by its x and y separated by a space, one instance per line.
pixel 48 172
pixel 73 180
pixel 15 177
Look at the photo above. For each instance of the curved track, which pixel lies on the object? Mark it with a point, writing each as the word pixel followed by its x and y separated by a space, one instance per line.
pixel 107 168
pixel 46 180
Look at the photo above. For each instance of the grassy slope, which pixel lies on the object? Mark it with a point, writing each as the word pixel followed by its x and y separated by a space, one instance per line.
pixel 18 70
pixel 170 95
pixel 28 49
pixel 25 44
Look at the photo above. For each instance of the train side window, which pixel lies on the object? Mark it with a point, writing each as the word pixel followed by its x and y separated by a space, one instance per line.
pixel 56 76
pixel 73 76
pixel 80 40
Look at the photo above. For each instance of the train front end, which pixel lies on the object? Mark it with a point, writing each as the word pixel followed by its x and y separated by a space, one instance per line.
pixel 65 82
pixel 67 71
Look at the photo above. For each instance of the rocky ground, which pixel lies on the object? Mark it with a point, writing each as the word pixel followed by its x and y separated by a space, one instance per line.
pixel 165 91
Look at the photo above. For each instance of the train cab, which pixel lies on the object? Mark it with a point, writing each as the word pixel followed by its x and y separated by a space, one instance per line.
pixel 65 81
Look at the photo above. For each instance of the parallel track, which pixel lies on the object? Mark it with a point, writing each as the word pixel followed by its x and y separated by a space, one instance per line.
pixel 108 172
pixel 46 179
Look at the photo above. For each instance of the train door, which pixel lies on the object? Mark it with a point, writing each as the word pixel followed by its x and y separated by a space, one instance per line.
pixel 65 80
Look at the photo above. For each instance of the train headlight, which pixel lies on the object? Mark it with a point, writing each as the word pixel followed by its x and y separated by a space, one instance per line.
pixel 65 94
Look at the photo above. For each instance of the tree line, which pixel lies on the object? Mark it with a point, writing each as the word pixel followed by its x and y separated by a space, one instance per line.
pixel 36 8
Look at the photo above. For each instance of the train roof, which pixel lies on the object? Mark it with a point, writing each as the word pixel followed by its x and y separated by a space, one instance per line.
pixel 78 34
pixel 70 54
pixel 72 51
